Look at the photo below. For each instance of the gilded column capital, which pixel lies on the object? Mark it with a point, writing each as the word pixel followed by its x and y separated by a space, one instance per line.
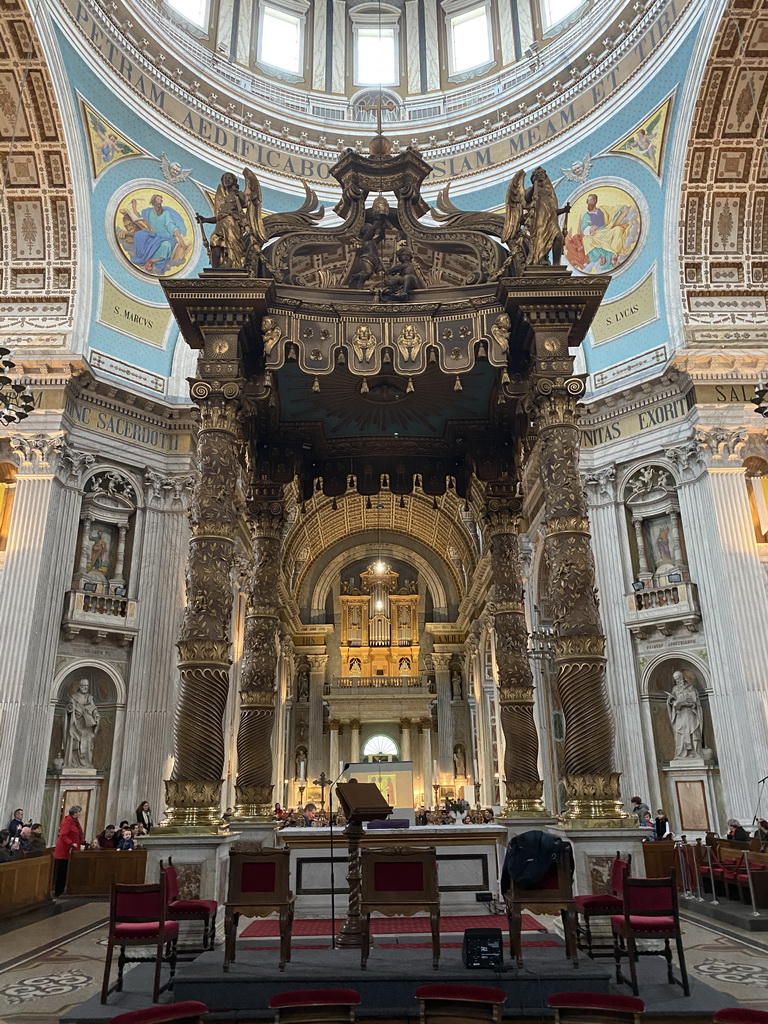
pixel 317 662
pixel 556 401
pixel 503 507
pixel 334 724
pixel 405 724
pixel 424 725
pixel 354 724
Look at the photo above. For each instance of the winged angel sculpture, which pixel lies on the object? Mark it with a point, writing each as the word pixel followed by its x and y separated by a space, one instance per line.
pixel 242 230
pixel 530 228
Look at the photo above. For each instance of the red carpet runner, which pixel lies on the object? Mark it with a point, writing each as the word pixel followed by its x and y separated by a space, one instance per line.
pixel 390 925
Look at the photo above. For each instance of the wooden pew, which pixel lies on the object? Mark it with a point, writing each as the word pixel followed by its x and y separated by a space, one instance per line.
pixel 659 857
pixel 26 882
pixel 93 872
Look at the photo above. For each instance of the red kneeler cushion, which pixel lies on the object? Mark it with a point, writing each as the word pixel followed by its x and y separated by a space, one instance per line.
pixel 463 993
pixel 398 877
pixel 733 1015
pixel 316 997
pixel 257 878
pixel 161 1014
pixel 595 1001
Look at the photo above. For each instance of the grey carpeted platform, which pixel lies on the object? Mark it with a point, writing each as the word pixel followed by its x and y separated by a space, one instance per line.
pixel 387 987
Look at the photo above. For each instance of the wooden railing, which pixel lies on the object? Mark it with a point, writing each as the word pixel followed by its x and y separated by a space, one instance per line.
pixel 25 882
pixel 93 872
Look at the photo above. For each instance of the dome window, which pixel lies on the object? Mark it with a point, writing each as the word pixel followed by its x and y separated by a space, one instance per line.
pixel 195 11
pixel 470 36
pixel 376 44
pixel 555 11
pixel 281 36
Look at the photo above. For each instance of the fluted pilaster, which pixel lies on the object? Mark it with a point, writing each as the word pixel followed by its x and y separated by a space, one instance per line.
pixel 441 665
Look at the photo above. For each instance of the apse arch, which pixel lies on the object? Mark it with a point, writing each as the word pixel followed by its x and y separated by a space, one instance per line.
pixel 326 569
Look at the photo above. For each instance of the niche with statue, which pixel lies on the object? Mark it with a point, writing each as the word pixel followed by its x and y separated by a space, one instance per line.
pixel 680 713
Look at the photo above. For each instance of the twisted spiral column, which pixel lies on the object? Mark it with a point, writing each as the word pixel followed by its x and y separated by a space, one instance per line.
pixel 591 782
pixel 524 787
pixel 253 789
pixel 194 791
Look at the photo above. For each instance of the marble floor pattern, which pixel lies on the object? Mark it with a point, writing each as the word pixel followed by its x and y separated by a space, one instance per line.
pixel 53 963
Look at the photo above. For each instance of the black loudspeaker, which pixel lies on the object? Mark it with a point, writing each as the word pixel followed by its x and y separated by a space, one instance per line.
pixel 483 947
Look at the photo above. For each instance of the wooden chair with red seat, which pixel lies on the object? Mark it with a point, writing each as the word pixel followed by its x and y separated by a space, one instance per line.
pixel 259 885
pixel 595 1008
pixel 188 1012
pixel 399 882
pixel 754 867
pixel 137 918
pixel 467 1004
pixel 602 905
pixel 736 1015
pixel 553 893
pixel 315 1006
pixel 189 910
pixel 650 912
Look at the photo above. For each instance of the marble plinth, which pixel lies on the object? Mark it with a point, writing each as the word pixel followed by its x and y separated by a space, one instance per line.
pixel 594 849
pixel 692 797
pixel 202 868
pixel 254 832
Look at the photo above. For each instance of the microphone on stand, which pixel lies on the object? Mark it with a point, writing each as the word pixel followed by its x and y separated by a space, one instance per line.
pixel 330 824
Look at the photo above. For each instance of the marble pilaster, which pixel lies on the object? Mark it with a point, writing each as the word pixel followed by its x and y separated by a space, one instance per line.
pixel 316 763
pixel 441 664
pixel 38 570
pixel 339 47
pixel 354 736
pixel 725 566
pixel 412 46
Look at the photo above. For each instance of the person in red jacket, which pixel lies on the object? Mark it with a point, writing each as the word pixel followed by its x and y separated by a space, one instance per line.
pixel 70 838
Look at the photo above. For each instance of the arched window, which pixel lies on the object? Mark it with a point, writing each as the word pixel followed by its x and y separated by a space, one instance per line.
pixel 380 748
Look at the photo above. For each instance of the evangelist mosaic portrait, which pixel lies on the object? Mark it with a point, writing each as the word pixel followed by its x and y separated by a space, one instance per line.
pixel 154 232
pixel 604 229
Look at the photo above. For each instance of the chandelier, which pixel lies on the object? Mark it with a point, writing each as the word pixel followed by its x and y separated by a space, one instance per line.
pixel 16 400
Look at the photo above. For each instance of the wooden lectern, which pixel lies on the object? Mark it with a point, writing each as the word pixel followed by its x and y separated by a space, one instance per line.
pixel 361 802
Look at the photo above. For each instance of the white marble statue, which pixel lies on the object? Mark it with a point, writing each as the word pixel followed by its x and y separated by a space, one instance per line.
pixel 82 725
pixel 686 716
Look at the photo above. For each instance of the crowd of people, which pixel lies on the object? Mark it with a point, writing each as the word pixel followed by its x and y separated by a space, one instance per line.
pixel 25 838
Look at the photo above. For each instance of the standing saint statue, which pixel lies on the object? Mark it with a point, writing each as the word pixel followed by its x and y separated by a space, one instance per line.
pixel 82 725
pixel 685 714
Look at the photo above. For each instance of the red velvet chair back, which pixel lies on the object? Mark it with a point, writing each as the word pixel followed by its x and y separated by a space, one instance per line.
pixel 618 869
pixel 261 878
pixel 136 903
pixel 650 897
pixel 171 880
pixel 399 875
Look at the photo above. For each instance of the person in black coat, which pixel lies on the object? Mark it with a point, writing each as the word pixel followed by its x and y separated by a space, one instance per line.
pixel 737 832
pixel 144 815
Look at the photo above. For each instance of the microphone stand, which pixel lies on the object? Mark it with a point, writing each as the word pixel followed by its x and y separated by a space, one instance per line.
pixel 760 785
pixel 330 824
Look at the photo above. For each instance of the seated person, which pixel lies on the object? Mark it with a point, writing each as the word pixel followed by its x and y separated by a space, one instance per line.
pixel 737 832
pixel 647 822
pixel 119 832
pixel 107 838
pixel 762 831
pixel 126 841
pixel 36 839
